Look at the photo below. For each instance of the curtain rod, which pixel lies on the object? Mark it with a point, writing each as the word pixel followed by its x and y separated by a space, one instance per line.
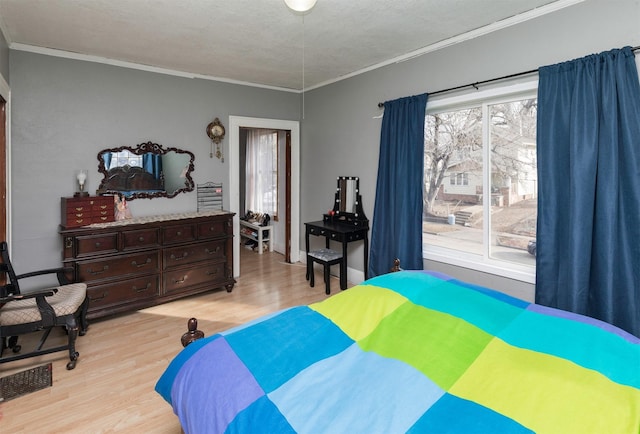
pixel 491 80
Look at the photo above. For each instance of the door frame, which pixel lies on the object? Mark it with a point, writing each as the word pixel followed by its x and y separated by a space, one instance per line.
pixel 5 148
pixel 235 122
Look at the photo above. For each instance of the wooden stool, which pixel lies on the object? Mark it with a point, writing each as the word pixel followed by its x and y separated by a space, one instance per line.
pixel 327 258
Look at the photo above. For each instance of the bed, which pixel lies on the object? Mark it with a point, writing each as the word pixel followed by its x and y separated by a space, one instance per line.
pixel 411 351
pixel 128 180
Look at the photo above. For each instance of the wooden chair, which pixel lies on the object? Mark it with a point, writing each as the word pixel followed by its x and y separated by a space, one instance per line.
pixel 39 311
pixel 327 258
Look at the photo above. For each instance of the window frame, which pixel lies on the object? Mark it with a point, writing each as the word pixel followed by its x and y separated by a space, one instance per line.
pixel 524 88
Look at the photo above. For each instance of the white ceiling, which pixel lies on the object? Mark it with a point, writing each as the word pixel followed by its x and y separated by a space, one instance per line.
pixel 256 41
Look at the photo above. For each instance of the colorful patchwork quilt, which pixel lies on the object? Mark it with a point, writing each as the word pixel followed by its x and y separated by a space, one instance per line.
pixel 413 351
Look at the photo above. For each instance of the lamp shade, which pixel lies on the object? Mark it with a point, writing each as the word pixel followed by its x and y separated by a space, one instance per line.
pixel 300 6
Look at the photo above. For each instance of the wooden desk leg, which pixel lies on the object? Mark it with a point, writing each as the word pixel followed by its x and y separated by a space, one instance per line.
pixel 343 266
pixel 366 256
pixel 309 263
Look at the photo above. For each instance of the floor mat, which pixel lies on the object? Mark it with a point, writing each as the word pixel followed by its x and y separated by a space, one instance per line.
pixel 22 383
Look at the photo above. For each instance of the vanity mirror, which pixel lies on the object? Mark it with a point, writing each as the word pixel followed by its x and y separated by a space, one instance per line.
pixel 348 202
pixel 145 171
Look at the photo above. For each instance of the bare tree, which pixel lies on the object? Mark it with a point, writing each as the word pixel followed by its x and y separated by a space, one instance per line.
pixel 455 138
pixel 450 137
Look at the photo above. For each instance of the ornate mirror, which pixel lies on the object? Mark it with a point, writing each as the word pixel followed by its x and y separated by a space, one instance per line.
pixel 145 171
pixel 348 202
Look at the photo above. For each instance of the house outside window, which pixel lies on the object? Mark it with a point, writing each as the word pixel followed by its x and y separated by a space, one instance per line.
pixel 480 183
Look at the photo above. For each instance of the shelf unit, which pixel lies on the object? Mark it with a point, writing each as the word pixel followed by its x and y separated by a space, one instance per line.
pixel 255 232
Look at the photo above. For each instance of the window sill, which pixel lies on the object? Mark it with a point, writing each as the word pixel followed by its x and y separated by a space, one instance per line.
pixel 458 258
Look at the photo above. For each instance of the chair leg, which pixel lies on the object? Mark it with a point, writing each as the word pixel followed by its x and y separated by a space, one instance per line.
pixel 84 324
pixel 72 334
pixel 312 275
pixel 327 281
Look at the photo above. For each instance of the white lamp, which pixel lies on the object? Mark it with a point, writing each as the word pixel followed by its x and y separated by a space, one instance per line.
pixel 82 179
pixel 300 6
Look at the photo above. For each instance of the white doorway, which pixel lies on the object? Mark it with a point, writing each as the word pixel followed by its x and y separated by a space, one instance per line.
pixel 235 123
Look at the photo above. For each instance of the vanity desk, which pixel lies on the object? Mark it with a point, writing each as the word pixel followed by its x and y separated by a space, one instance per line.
pixel 343 233
pixel 345 223
pixel 141 262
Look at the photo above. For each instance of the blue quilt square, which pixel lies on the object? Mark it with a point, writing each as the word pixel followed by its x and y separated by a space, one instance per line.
pixel 263 410
pixel 455 415
pixel 356 392
pixel 277 349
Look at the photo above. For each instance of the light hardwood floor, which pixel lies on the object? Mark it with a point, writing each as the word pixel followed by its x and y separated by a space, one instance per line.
pixel 121 357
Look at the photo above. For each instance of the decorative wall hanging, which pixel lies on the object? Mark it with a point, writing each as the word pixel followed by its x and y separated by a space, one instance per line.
pixel 216 132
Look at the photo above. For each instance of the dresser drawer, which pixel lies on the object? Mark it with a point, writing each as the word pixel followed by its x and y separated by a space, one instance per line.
pixel 178 234
pixel 213 229
pixel 140 238
pixel 179 280
pixel 118 266
pixel 122 292
pixel 77 219
pixel 209 251
pixel 96 244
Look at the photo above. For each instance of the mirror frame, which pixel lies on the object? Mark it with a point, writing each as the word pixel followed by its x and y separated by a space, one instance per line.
pixel 143 148
pixel 357 217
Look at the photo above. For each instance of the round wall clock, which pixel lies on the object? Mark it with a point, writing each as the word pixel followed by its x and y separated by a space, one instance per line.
pixel 216 131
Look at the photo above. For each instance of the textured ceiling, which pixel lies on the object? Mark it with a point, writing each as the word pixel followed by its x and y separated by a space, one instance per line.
pixel 257 41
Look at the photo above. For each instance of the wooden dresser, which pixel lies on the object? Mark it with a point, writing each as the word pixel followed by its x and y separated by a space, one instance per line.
pixel 131 264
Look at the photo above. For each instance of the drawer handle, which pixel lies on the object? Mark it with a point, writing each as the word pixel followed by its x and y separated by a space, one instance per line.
pixel 80 215
pixel 135 263
pixel 212 252
pixel 212 273
pixel 140 239
pixel 105 268
pixel 104 218
pixel 178 258
pixel 184 278
pixel 333 235
pixel 80 208
pixel 103 206
pixel 102 297
pixel 179 233
pixel 79 220
pixel 98 244
pixel 136 289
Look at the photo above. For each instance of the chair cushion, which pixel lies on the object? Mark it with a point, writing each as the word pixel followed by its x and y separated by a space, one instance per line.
pixel 325 255
pixel 66 301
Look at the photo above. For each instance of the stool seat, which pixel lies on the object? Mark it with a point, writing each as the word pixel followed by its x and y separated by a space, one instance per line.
pixel 327 258
pixel 325 254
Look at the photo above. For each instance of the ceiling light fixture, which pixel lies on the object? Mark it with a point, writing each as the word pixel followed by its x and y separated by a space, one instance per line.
pixel 300 6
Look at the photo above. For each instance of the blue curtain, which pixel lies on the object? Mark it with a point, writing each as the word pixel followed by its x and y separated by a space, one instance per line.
pixel 588 240
pixel 397 215
pixel 152 163
pixel 107 160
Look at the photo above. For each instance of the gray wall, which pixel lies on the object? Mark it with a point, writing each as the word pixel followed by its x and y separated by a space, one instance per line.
pixel 65 111
pixel 341 135
pixel 4 58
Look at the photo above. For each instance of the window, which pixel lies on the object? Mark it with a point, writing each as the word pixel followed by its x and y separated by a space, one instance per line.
pixel 484 217
pixel 262 172
pixel 459 179
pixel 123 158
